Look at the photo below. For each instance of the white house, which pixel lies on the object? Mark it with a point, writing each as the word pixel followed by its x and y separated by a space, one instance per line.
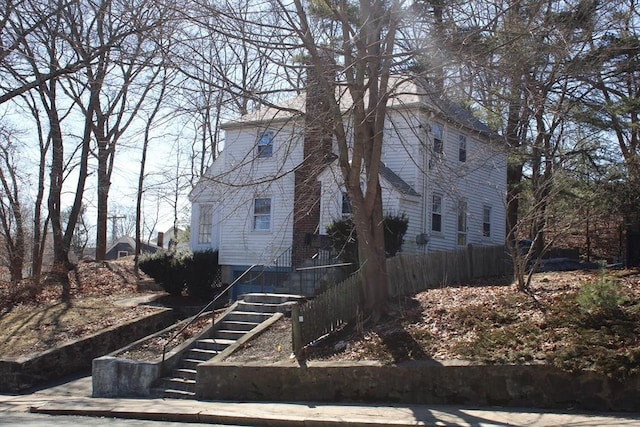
pixel 442 168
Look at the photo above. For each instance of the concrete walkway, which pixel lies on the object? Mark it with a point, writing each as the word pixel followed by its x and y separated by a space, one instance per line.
pixel 74 398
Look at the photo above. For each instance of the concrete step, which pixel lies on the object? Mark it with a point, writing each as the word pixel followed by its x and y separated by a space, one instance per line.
pixel 270 298
pixel 213 344
pixel 173 394
pixel 181 384
pixel 191 363
pixel 228 334
pixel 236 325
pixel 186 373
pixel 248 316
pixel 258 307
pixel 201 354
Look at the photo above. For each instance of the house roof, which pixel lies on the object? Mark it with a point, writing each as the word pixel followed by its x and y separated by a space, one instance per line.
pixel 398 183
pixel 406 91
pixel 131 242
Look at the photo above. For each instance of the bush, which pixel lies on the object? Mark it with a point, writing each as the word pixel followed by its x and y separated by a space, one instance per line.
pixel 345 240
pixel 601 297
pixel 166 269
pixel 197 272
pixel 202 274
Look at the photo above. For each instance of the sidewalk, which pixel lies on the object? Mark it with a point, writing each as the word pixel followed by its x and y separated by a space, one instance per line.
pixel 73 398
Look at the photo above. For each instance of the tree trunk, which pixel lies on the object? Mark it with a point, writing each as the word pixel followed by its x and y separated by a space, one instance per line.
pixel 370 230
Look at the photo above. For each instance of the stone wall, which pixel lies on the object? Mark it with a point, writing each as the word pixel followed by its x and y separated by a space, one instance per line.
pixel 456 383
pixel 20 374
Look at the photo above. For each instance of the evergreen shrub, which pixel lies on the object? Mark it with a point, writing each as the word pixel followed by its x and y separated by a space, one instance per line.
pixel 344 239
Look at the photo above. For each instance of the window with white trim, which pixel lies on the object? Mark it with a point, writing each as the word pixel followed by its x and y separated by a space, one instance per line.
pixel 486 221
pixel 438 139
pixel 462 148
pixel 462 222
pixel 265 144
pixel 436 213
pixel 205 223
pixel 262 214
pixel 346 206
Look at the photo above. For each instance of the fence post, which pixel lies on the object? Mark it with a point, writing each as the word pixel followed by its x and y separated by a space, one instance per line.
pixel 470 261
pixel 296 332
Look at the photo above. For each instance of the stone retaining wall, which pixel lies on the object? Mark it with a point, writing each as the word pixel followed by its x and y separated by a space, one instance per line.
pixel 22 373
pixel 430 382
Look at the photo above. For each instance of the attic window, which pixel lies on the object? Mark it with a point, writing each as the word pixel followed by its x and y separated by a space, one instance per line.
pixel 265 144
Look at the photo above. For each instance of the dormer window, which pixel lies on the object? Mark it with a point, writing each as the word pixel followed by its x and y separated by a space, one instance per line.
pixel 265 144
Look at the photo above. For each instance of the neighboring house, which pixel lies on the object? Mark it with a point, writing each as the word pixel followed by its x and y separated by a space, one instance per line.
pixel 442 168
pixel 167 239
pixel 126 246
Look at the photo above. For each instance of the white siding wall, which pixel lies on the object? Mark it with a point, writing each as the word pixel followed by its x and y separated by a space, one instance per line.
pixel 480 181
pixel 239 178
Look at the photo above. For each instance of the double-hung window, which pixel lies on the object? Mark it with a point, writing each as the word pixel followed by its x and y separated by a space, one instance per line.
pixel 486 221
pixel 462 222
pixel 462 148
pixel 265 143
pixel 205 223
pixel 346 206
pixel 262 214
pixel 436 213
pixel 438 139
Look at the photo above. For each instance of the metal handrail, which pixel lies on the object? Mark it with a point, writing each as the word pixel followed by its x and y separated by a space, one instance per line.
pixel 194 318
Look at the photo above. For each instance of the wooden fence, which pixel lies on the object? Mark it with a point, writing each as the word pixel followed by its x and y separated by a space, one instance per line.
pixel 408 274
pixel 328 311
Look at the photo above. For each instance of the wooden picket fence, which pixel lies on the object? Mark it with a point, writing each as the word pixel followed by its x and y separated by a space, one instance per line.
pixel 408 275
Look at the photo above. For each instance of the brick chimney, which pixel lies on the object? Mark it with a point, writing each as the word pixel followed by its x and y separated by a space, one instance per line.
pixel 318 139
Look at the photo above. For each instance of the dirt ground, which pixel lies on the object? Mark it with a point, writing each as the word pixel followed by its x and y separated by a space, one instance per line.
pixel 488 323
pixel 34 318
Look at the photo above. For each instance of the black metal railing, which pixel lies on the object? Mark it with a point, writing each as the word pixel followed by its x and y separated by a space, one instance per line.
pixel 203 310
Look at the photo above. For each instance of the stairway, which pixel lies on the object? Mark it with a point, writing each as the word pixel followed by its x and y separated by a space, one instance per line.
pixel 251 310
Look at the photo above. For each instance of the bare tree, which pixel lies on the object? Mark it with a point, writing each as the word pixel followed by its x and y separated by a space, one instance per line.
pixel 12 224
pixel 116 83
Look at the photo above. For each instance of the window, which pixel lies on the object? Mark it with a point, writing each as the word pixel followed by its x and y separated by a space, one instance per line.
pixel 486 221
pixel 205 222
pixel 122 254
pixel 346 206
pixel 262 214
pixel 265 144
pixel 438 141
pixel 462 222
pixel 436 213
pixel 462 148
